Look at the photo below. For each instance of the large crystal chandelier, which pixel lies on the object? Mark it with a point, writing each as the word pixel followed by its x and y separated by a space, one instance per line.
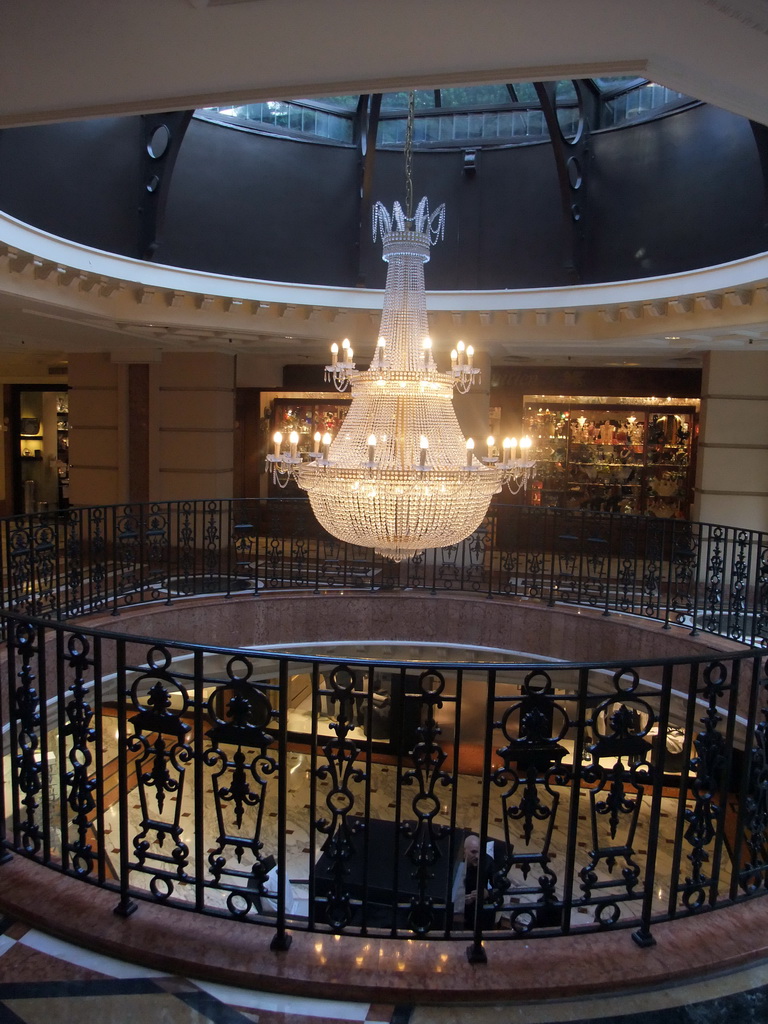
pixel 400 476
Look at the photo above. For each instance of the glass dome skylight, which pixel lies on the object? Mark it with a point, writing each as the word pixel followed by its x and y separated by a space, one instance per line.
pixel 500 114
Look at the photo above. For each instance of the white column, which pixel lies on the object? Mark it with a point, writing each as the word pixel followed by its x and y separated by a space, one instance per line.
pixel 193 412
pixel 96 430
pixel 732 463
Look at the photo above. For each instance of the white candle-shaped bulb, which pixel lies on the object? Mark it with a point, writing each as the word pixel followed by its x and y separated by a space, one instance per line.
pixel 506 444
pixel 334 353
pixel 371 447
pixel 293 437
pixel 278 439
pixel 454 357
pixel 326 444
pixel 491 442
pixel 349 355
pixel 513 446
pixel 427 350
pixel 424 445
pixel 470 449
pixel 470 355
pixel 525 443
pixel 345 344
pixel 317 438
pixel 460 350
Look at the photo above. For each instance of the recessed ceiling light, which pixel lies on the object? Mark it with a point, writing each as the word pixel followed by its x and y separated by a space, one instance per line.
pixel 671 337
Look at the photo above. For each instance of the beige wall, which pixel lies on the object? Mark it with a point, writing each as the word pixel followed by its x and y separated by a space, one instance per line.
pixel 95 435
pixel 187 446
pixel 192 418
pixel 732 464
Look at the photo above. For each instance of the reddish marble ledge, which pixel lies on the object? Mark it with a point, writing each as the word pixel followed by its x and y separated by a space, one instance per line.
pixel 577 634
pixel 237 953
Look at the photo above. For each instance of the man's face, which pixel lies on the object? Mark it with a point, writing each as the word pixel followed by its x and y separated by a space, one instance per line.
pixel 472 851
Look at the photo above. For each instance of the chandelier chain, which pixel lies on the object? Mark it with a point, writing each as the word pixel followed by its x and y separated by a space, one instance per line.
pixel 409 156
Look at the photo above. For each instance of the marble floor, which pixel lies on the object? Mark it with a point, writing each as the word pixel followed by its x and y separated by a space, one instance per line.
pixel 46 981
pixel 389 799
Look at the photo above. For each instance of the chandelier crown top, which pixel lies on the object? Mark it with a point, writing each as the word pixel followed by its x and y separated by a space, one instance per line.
pixel 423 228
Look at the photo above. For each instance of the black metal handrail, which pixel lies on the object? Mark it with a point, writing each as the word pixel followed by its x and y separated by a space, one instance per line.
pixel 329 794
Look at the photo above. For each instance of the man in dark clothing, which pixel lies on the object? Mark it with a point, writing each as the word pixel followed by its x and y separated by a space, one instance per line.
pixel 466 883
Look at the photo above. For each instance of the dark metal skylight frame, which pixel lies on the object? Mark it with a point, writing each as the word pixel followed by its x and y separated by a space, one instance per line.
pixel 518 120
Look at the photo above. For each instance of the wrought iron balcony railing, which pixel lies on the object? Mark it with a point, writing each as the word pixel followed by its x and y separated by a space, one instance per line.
pixel 711 578
pixel 335 794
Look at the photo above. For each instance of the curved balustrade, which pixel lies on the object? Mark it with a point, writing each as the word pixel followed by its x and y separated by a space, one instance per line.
pixel 711 578
pixel 333 794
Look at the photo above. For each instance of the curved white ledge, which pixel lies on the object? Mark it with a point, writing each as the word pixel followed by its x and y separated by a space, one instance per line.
pixel 52 249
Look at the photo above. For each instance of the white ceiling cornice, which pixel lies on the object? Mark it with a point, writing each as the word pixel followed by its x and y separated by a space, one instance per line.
pixel 86 299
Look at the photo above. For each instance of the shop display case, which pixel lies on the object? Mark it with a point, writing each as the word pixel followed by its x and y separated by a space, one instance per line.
pixel 41 455
pixel 613 455
pixel 306 416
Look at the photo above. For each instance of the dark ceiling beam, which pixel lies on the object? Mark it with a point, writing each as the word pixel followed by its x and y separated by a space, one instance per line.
pixel 161 139
pixel 760 133
pixel 571 162
pixel 367 129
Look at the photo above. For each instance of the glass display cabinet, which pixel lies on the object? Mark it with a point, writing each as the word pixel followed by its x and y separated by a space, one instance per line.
pixel 41 451
pixel 633 455
pixel 307 417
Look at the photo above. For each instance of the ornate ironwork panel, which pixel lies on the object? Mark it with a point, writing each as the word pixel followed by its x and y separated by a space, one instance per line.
pixel 129 553
pixel 596 561
pixel 760 629
pixel 618 778
pixel 628 574
pixel 341 775
pixel 707 768
pixel 532 779
pixel 241 763
pixel 712 576
pixel 739 581
pixel 567 556
pixel 32 561
pixel 79 742
pixel 426 774
pixel 753 868
pixel 98 573
pixel 159 749
pixel 27 724
pixel 653 566
pixel 73 575
pixel 185 562
pixel 682 572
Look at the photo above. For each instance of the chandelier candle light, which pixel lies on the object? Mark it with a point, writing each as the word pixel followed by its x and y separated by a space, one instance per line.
pixel 399 476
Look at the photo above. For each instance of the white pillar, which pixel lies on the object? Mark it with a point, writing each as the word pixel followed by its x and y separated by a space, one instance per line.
pixel 732 463
pixel 193 414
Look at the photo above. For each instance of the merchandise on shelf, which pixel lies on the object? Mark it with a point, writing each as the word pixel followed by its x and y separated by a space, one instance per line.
pixel 613 455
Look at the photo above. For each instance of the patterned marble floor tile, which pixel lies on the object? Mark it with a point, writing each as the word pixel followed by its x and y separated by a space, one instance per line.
pixel 738 997
pixel 106 966
pixel 21 963
pixel 301 1006
pixel 110 1009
